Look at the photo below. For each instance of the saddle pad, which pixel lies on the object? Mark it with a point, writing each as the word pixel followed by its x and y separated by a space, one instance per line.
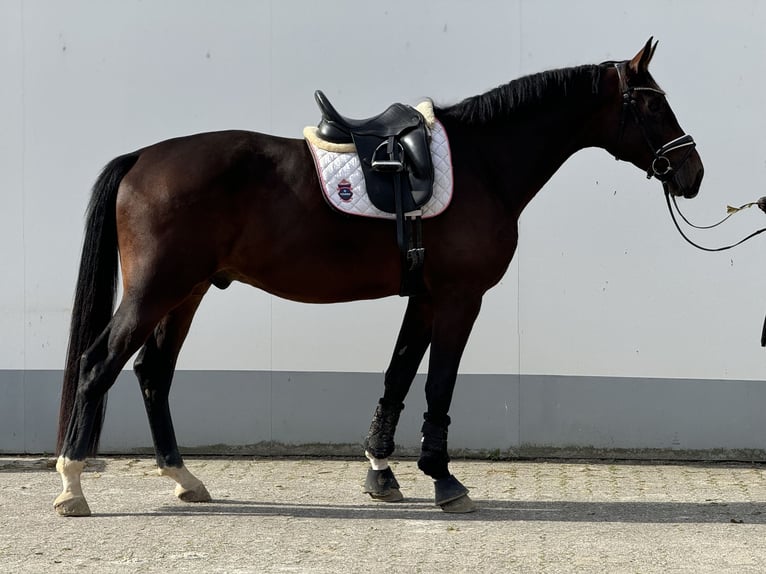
pixel 342 182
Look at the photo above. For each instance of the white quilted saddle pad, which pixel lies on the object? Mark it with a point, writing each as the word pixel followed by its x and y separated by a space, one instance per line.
pixel 342 181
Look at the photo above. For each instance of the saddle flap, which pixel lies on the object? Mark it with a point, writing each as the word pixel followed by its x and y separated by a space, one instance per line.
pixel 415 180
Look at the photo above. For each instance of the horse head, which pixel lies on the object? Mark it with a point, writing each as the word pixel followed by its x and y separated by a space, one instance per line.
pixel 649 135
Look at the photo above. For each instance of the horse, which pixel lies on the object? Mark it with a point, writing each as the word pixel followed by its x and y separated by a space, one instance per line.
pixel 185 214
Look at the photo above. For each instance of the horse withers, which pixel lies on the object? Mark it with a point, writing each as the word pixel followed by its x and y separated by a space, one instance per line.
pixel 188 213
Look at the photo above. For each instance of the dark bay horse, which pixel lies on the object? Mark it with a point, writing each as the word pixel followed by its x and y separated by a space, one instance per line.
pixel 209 209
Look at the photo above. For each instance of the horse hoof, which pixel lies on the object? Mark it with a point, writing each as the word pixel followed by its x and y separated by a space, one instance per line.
pixel 197 494
pixel 393 495
pixel 448 489
pixel 382 485
pixel 462 505
pixel 71 506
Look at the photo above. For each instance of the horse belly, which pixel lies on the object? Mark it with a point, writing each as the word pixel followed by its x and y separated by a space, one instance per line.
pixel 327 277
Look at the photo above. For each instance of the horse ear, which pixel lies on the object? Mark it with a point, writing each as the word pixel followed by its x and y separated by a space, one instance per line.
pixel 640 63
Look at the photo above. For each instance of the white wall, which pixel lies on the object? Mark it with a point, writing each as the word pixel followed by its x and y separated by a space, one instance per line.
pixel 602 285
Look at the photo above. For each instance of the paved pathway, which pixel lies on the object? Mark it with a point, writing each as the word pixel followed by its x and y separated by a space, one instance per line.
pixel 295 515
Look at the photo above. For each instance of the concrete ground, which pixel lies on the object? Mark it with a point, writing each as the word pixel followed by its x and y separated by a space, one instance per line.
pixel 299 515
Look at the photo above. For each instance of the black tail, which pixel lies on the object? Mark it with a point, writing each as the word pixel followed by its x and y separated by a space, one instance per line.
pixel 763 334
pixel 96 288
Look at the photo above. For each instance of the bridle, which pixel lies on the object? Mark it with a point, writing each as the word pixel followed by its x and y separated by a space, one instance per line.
pixel 661 167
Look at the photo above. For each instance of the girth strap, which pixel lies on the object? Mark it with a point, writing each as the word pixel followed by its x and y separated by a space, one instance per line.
pixel 409 232
pixel 413 256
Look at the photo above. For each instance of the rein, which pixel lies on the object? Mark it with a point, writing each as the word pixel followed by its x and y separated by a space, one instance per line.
pixel 661 167
pixel 732 210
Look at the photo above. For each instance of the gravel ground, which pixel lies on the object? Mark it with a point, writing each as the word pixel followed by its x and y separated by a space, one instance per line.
pixel 298 515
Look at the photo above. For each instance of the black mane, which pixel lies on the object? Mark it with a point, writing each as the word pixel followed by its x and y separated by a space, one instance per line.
pixel 536 89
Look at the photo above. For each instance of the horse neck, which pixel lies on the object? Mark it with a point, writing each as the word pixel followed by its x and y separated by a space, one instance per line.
pixel 521 152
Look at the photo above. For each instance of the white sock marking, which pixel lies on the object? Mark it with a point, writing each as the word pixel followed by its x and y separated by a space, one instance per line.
pixel 376 463
pixel 181 475
pixel 70 471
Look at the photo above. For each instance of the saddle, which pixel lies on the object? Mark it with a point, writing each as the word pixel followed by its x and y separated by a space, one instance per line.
pixel 393 142
pixel 395 156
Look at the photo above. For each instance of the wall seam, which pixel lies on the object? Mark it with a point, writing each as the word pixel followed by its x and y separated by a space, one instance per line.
pixel 23 139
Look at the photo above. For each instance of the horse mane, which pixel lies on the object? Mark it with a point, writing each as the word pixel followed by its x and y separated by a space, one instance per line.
pixel 523 93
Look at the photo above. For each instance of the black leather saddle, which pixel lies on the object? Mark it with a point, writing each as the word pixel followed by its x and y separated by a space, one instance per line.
pixel 337 128
pixel 395 155
pixel 392 145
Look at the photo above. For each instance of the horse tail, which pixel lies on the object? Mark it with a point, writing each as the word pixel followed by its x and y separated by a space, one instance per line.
pixel 96 288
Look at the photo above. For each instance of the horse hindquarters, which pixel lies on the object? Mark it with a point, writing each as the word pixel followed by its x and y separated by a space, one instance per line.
pixel 82 404
pixel 95 289
pixel 156 278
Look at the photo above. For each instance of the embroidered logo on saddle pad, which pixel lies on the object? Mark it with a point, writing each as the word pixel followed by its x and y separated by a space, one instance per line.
pixel 345 191
pixel 342 181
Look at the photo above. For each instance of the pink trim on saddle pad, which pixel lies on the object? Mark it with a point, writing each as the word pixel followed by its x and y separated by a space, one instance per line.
pixel 343 184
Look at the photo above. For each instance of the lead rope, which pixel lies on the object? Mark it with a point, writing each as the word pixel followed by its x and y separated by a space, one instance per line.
pixel 729 209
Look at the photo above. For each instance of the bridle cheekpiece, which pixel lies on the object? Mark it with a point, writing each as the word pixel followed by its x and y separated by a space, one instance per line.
pixel 661 167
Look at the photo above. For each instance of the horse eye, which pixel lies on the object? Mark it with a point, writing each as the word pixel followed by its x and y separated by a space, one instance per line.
pixel 655 105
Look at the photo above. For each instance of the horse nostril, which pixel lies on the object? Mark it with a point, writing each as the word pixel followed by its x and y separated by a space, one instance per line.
pixel 698 180
pixel 694 189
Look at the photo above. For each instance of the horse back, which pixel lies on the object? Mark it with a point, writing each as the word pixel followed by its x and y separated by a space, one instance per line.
pixel 246 206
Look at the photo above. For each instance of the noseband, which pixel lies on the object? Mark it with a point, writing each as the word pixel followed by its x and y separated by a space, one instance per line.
pixel 661 167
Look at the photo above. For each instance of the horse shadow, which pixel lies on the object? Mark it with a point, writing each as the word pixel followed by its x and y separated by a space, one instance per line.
pixel 707 512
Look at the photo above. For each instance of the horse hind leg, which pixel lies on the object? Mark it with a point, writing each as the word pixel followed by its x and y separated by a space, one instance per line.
pixel 414 338
pixel 99 368
pixel 154 367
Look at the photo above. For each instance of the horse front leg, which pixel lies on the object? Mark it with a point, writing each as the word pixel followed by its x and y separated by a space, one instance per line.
pixel 414 338
pixel 453 320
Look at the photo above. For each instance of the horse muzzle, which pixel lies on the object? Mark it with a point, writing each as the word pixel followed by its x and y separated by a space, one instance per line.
pixel 675 175
pixel 687 187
